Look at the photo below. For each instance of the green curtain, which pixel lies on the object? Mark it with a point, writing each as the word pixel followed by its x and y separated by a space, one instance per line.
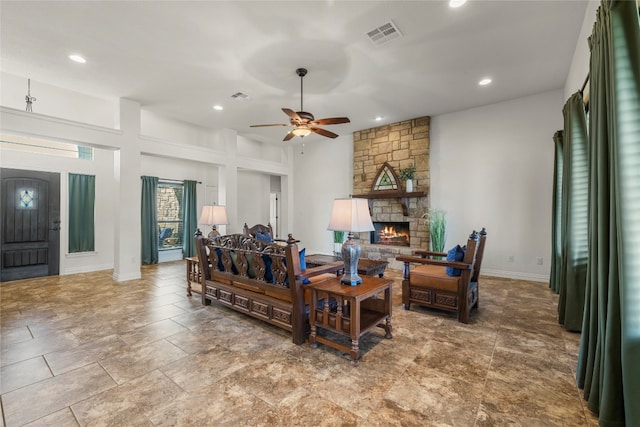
pixel 190 218
pixel 609 358
pixel 556 219
pixel 574 214
pixel 149 221
pixel 82 200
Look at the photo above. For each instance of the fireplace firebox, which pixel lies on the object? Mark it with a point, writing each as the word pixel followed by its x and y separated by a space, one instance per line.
pixel 391 234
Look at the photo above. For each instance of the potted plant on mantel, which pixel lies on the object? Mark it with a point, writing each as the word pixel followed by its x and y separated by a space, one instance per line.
pixel 408 174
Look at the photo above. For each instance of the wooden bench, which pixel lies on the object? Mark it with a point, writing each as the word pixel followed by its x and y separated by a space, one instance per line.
pixel 261 279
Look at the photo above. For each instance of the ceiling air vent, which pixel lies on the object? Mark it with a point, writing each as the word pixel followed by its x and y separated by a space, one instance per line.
pixel 240 96
pixel 384 33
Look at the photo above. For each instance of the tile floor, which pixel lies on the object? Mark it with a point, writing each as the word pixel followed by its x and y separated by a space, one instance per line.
pixel 85 350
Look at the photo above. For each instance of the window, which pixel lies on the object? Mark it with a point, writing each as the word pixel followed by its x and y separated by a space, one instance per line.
pixel 170 215
pixel 41 146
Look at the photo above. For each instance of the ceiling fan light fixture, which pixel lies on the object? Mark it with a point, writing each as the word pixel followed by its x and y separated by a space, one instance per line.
pixel 77 58
pixel 301 132
pixel 456 3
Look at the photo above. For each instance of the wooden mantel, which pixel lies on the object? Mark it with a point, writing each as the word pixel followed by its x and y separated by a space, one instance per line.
pixel 402 196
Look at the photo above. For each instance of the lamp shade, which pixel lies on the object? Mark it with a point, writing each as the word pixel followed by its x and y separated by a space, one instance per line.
pixel 350 215
pixel 213 215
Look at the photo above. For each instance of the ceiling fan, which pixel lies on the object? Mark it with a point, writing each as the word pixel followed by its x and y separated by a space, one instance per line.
pixel 303 121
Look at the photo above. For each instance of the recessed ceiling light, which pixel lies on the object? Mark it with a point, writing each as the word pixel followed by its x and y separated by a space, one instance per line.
pixel 456 3
pixel 218 107
pixel 378 118
pixel 484 81
pixel 77 58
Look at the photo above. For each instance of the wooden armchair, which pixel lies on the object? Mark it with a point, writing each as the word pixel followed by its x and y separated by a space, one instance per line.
pixel 258 229
pixel 429 285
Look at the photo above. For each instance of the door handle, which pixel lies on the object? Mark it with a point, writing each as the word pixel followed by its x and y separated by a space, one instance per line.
pixel 55 228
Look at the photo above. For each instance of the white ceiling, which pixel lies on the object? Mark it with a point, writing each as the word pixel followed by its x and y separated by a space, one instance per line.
pixel 179 58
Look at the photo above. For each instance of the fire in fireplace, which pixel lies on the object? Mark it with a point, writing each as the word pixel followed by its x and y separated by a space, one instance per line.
pixel 390 233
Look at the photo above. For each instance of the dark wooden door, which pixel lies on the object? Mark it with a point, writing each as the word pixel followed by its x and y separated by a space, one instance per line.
pixel 30 240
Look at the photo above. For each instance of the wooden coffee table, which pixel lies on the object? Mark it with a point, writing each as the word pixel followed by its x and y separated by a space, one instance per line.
pixel 372 267
pixel 358 310
pixel 367 267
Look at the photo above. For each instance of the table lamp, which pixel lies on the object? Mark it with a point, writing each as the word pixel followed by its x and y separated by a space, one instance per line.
pixel 213 215
pixel 351 215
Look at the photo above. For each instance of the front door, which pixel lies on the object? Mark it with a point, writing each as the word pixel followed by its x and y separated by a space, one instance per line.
pixel 30 240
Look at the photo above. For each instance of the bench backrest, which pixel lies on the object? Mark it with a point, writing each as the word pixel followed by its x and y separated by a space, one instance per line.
pixel 243 259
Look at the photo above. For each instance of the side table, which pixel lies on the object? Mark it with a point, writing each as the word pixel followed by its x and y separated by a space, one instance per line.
pixel 358 310
pixel 193 275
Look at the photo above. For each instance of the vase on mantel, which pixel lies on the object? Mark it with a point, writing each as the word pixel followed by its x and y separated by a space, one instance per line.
pixel 409 186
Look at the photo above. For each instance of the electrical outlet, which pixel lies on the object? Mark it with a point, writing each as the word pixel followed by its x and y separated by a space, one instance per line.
pixel 539 260
pixel 510 258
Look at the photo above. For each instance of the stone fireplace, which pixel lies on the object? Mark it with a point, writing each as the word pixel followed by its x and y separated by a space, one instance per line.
pixel 394 147
pixel 390 233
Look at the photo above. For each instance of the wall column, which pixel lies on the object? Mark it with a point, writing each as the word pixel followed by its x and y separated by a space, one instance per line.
pixel 127 201
pixel 228 182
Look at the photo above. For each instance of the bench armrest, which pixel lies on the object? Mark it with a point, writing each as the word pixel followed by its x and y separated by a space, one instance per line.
pixel 331 267
pixel 442 263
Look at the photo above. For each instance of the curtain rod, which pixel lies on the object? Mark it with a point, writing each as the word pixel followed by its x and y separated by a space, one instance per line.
pixel 173 180
pixel 586 80
pixel 584 92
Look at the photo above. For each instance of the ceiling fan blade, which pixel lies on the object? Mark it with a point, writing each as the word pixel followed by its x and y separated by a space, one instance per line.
pixel 292 114
pixel 324 132
pixel 331 121
pixel 276 124
pixel 289 136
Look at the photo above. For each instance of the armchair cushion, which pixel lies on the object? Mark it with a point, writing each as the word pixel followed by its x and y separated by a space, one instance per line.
pixel 434 276
pixel 454 254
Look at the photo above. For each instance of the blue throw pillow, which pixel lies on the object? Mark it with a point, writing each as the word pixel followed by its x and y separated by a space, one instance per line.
pixel 265 237
pixel 303 265
pixel 268 274
pixel 303 262
pixel 220 264
pixel 455 254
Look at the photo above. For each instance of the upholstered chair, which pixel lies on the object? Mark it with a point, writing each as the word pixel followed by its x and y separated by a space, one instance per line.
pixel 451 284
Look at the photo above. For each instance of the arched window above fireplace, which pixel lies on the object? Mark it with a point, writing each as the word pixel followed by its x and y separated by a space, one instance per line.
pixel 386 179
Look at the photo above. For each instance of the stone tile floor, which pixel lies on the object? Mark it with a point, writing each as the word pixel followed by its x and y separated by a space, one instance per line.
pixel 83 350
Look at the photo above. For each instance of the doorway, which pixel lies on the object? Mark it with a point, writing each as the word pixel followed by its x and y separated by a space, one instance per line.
pixel 274 213
pixel 30 240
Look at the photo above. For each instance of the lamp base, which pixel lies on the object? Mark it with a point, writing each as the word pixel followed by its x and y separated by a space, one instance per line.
pixel 214 232
pixel 350 256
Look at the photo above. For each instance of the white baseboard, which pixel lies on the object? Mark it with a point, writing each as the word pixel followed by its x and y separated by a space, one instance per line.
pixel 515 275
pixel 87 269
pixel 124 277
